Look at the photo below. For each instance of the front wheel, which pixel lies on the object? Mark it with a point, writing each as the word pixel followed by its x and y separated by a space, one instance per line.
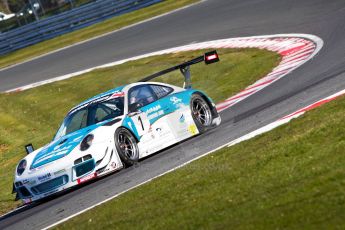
pixel 126 146
pixel 201 113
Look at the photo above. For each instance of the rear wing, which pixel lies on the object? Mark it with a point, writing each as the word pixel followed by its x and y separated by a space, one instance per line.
pixel 208 58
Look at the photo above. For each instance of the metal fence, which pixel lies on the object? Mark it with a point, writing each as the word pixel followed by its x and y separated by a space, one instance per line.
pixel 67 22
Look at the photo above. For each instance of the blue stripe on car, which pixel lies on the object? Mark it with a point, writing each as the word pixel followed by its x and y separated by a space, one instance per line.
pixel 61 147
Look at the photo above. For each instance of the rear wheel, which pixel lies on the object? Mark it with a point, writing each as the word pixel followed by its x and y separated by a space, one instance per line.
pixel 126 146
pixel 201 112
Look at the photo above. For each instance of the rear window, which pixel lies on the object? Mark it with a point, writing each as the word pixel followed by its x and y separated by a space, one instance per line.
pixel 161 91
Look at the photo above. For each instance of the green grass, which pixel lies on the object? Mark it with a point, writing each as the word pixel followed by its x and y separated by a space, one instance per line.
pixel 91 31
pixel 289 178
pixel 33 116
pixel 3 8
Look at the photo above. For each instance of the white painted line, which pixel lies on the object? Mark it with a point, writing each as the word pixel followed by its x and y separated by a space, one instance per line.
pixel 318 46
pixel 142 183
pixel 280 42
pixel 15 210
pixel 287 118
pixel 248 136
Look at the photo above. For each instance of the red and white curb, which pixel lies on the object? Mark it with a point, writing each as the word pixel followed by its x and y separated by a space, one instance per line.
pixel 295 49
pixel 262 130
pixel 286 118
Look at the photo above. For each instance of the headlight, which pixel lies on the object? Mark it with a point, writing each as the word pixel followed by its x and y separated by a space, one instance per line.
pixel 86 143
pixel 21 167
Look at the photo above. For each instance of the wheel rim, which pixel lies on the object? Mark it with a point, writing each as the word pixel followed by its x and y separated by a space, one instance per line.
pixel 127 145
pixel 201 112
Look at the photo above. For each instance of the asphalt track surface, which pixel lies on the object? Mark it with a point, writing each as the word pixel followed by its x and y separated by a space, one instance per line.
pixel 209 20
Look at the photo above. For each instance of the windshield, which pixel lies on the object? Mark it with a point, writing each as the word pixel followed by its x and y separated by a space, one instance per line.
pixel 91 114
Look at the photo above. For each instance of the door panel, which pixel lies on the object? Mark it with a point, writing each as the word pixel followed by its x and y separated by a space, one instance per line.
pixel 141 123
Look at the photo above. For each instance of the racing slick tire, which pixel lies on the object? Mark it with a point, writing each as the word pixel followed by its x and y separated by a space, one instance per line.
pixel 126 146
pixel 201 113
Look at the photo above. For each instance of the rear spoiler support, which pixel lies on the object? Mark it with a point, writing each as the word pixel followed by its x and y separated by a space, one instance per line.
pixel 187 79
pixel 208 58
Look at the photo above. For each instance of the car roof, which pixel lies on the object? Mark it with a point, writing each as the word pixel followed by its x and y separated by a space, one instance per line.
pixel 117 89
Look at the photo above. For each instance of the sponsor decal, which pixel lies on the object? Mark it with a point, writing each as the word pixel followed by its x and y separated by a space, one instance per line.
pixel 175 100
pixel 116 95
pixel 102 98
pixel 155 115
pixel 162 132
pixel 44 177
pixel 87 178
pixel 153 109
pixel 29 182
pixel 193 129
pixel 151 133
pixel 59 172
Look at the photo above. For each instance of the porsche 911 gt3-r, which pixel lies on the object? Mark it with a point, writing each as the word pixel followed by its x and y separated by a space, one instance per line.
pixel 116 129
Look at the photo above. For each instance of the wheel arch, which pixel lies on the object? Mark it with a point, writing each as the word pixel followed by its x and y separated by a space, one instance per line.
pixel 124 127
pixel 209 102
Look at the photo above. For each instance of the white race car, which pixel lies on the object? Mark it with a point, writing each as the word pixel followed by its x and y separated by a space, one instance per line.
pixel 115 129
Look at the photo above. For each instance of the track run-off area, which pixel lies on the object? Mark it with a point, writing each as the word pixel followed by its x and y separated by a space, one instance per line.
pixel 295 49
pixel 312 69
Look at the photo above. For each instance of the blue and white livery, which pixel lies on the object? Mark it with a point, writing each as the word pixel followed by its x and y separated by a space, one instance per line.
pixel 114 130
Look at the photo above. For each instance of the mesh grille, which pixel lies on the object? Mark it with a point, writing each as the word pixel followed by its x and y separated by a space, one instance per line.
pixel 50 185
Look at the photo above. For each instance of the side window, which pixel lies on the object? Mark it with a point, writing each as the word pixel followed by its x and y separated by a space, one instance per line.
pixel 142 94
pixel 161 91
pixel 106 110
pixel 77 121
pixel 101 114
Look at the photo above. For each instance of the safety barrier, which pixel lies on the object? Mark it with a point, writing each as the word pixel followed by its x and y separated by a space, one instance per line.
pixel 68 21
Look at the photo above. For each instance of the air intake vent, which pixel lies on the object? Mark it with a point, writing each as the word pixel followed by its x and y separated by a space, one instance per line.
pixel 23 192
pixel 84 168
pixel 50 185
pixel 81 159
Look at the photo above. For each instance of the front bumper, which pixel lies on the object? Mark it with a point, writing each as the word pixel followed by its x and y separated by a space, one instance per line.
pixel 29 190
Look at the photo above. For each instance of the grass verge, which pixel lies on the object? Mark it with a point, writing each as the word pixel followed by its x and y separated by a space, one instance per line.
pixel 33 116
pixel 3 8
pixel 289 178
pixel 92 31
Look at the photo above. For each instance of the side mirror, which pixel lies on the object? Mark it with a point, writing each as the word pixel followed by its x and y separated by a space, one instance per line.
pixel 29 148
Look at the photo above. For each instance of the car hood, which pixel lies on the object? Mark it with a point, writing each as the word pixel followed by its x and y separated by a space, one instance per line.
pixel 61 147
